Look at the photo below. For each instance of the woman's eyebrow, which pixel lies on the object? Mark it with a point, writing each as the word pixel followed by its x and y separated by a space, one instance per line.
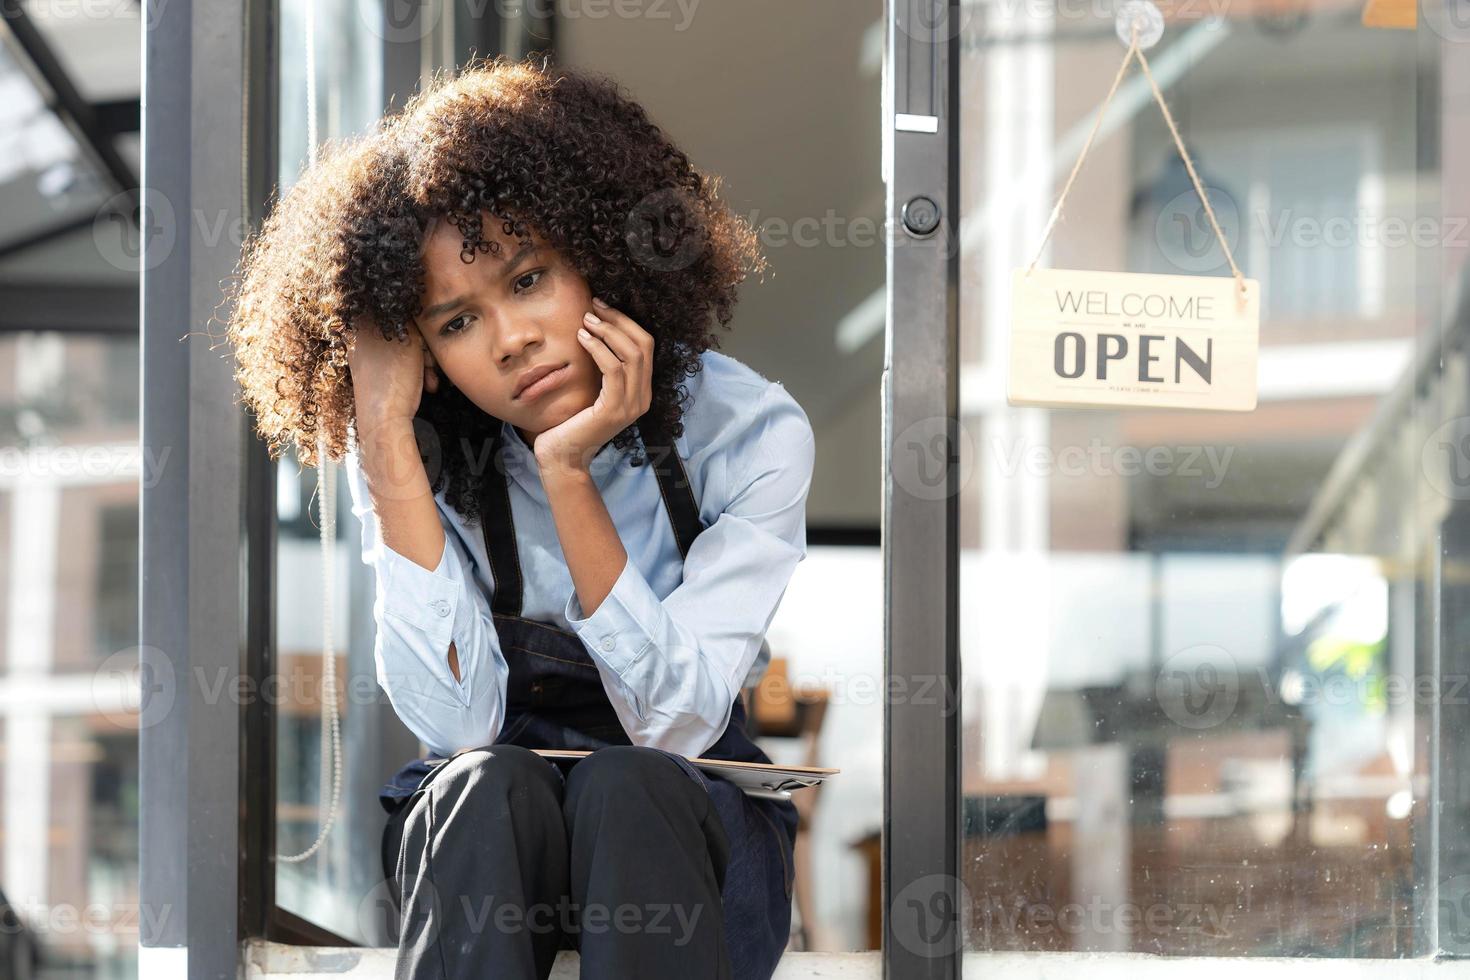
pixel 443 307
pixel 510 266
pixel 525 252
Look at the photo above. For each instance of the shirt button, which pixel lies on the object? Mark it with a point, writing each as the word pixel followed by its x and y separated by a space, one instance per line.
pixel 608 644
pixel 440 606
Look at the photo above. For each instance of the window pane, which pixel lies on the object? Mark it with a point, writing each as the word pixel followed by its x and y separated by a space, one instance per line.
pixel 70 472
pixel 328 887
pixel 1185 634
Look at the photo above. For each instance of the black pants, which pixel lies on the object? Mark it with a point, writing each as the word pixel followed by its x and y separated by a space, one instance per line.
pixel 502 858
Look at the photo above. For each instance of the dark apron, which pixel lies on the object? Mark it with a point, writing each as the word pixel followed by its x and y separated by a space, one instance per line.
pixel 555 700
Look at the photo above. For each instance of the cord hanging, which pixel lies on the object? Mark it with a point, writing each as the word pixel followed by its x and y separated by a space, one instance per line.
pixel 1135 50
pixel 327 504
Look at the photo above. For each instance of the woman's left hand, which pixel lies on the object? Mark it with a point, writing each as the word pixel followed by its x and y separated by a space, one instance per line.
pixel 623 352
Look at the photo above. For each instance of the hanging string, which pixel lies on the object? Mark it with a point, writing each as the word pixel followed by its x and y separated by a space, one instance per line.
pixel 327 505
pixel 1056 212
pixel 1134 51
pixel 1199 187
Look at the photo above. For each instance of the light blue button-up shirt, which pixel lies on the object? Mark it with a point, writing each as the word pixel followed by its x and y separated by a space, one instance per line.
pixel 674 641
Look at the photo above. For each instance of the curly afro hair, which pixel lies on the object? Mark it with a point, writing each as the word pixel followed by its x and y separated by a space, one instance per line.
pixel 565 153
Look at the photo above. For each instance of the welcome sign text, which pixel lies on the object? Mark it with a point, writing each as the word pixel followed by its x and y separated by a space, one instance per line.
pixel 1102 339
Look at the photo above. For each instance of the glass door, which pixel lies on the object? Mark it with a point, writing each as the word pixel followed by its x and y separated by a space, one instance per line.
pixel 1199 692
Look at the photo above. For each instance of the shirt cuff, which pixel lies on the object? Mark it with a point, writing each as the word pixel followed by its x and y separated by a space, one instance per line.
pixel 615 634
pixel 425 599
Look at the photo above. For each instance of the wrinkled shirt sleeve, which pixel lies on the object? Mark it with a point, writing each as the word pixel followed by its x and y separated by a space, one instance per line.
pixel 680 660
pixel 417 613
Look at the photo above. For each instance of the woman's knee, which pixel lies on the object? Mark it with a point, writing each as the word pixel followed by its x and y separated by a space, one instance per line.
pixel 618 771
pixel 484 777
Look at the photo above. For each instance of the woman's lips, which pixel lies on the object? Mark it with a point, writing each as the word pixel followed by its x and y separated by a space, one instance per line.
pixel 546 383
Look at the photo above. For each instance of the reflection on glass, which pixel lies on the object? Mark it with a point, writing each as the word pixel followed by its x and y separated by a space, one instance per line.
pixel 68 725
pixel 328 888
pixel 1186 636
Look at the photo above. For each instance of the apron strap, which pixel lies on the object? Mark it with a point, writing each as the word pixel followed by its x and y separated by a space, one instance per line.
pixel 673 481
pixel 500 534
pixel 498 526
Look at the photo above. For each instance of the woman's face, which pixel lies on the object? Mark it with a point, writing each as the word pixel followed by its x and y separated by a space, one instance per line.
pixel 488 322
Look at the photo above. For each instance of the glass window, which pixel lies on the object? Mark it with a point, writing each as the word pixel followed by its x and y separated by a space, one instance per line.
pixel 94 911
pixel 116 621
pixel 47 178
pixel 69 617
pixel 326 888
pixel 1185 635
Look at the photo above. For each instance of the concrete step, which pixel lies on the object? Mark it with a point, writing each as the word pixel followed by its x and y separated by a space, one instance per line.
pixel 275 961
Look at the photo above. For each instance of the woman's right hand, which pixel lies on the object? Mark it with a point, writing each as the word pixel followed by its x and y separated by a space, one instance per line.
pixel 389 377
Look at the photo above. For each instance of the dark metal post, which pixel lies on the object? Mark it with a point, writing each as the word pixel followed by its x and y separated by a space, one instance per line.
pixel 193 520
pixel 922 893
pixel 258 718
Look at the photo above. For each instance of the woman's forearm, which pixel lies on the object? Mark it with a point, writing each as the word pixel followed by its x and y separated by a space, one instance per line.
pixel 589 539
pixel 408 518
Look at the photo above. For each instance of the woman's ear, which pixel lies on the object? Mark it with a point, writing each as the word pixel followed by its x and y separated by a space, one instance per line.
pixel 431 373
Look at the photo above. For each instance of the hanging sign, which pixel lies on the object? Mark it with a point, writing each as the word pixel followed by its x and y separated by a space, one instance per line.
pixel 1109 339
pixel 1084 338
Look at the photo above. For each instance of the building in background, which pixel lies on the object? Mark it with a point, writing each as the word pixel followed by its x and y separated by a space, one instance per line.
pixel 71 470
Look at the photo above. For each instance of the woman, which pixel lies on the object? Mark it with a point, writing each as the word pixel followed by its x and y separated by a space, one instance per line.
pixel 500 310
